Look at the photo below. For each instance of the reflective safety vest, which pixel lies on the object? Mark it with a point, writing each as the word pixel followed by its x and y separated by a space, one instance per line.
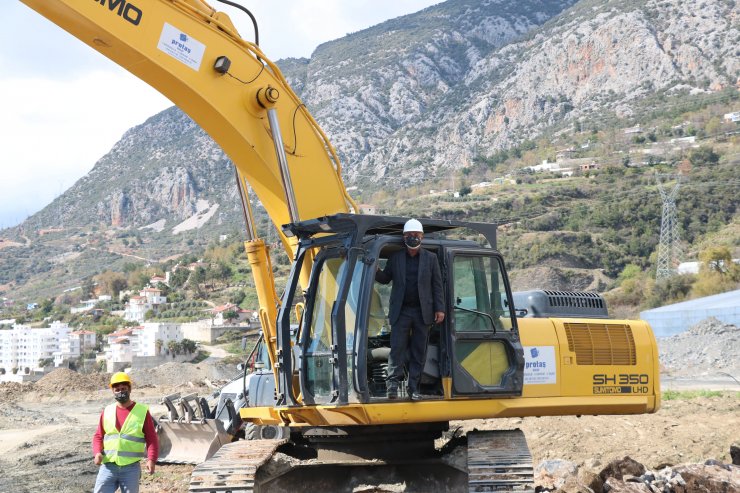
pixel 128 445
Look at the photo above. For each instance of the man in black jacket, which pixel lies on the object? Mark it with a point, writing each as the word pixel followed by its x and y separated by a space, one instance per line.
pixel 416 302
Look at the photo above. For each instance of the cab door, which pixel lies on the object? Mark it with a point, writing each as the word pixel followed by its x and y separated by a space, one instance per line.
pixel 486 354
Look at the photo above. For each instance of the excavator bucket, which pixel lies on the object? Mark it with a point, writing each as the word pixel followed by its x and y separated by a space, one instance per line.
pixel 189 434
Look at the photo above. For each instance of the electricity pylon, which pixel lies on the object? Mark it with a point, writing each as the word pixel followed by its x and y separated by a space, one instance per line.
pixel 669 248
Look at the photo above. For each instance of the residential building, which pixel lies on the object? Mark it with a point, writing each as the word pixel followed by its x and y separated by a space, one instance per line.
pixel 119 346
pixel 156 280
pixel 149 333
pixel 242 316
pixel 22 347
pixel 732 117
pixel 137 306
pixel 588 166
pixel 88 339
pixel 125 344
pixel 368 209
pixel 74 345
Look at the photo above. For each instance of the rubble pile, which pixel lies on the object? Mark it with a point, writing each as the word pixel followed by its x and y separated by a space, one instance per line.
pixel 629 476
pixel 707 348
pixel 175 374
pixel 63 379
pixel 11 391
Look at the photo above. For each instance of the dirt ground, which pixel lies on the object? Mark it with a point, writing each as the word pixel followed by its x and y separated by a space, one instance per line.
pixel 46 430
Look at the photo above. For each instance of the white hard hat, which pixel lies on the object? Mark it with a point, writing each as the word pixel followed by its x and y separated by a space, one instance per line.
pixel 412 225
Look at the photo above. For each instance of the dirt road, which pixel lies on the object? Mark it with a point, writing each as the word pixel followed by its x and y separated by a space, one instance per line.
pixel 45 437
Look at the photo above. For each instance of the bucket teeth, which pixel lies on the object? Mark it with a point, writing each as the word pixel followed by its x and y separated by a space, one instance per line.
pixel 188 434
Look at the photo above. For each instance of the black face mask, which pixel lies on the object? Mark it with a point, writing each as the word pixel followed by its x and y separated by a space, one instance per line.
pixel 121 396
pixel 412 241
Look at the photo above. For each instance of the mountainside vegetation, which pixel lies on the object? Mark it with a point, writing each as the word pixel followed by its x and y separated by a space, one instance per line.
pixel 559 121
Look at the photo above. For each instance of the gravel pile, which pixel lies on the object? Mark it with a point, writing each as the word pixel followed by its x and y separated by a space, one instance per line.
pixel 708 348
pixel 65 379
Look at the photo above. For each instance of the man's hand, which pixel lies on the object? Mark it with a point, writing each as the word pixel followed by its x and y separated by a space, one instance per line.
pixel 150 466
pixel 439 317
pixel 98 459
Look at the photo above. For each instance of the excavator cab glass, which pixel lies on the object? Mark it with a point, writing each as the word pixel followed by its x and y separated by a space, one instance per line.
pixel 319 351
pixel 485 343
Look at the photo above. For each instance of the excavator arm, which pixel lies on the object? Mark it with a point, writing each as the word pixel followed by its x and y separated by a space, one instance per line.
pixel 194 56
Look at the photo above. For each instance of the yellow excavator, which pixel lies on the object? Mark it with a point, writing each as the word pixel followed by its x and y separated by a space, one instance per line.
pixel 326 338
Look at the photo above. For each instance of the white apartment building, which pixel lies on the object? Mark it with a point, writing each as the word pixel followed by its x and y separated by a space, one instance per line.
pixel 76 343
pixel 124 344
pixel 87 339
pixel 150 332
pixel 137 306
pixel 87 305
pixel 22 347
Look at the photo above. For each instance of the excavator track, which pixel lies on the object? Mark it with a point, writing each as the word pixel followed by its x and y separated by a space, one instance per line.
pixel 499 461
pixel 233 468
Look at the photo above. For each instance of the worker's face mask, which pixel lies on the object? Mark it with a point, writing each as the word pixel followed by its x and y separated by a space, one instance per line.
pixel 121 395
pixel 412 242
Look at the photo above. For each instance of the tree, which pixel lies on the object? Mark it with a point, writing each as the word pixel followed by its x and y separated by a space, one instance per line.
pixel 237 297
pixel 197 277
pixel 188 346
pixel 46 306
pixel 717 259
pixel 111 282
pixel 717 274
pixel 179 277
pixel 88 287
pixel 230 315
pixel 44 362
pixel 158 346
pixel 704 155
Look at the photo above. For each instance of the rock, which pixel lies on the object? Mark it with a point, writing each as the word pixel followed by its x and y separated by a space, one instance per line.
pixel 590 479
pixel 715 462
pixel 573 485
pixel 613 485
pixel 701 478
pixel 551 474
pixel 735 454
pixel 619 468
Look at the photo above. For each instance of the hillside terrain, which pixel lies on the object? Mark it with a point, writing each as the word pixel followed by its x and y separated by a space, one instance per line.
pixel 445 113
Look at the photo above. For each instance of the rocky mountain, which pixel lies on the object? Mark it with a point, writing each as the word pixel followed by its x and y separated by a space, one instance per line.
pixel 411 99
pixel 419 95
pixel 159 174
pixel 476 79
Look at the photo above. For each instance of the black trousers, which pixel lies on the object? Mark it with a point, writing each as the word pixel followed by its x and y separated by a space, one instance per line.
pixel 409 336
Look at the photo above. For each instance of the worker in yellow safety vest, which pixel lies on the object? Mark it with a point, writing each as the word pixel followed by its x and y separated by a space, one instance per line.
pixel 125 435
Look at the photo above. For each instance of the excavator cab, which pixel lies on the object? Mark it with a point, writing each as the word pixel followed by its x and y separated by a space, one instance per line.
pixel 345 331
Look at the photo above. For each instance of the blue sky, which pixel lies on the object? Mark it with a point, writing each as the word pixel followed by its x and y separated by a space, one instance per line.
pixel 57 118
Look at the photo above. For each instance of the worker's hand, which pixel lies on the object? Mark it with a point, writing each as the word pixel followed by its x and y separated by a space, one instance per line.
pixel 98 459
pixel 439 317
pixel 150 466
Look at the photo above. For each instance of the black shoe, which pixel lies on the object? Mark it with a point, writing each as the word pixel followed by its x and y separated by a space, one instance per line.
pixel 392 393
pixel 415 396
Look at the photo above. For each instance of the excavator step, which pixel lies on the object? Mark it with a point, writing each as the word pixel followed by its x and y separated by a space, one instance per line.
pixel 233 468
pixel 499 461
